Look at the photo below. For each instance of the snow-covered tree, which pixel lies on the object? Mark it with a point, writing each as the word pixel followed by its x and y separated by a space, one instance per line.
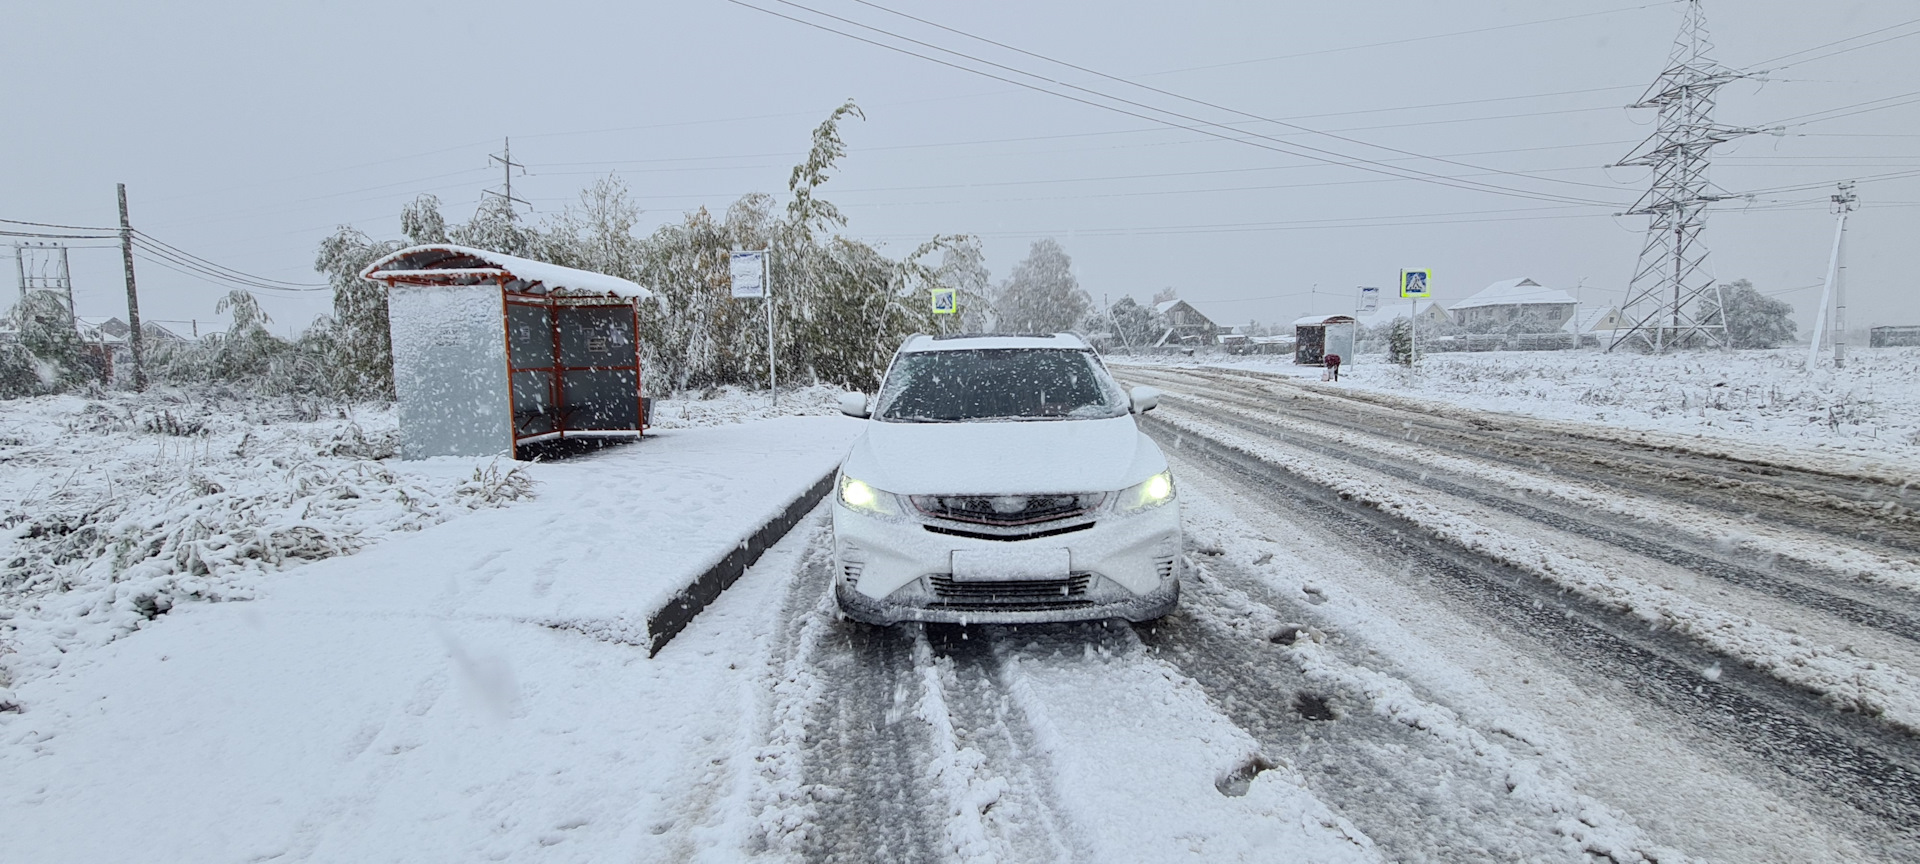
pixel 1753 319
pixel 963 267
pixel 47 336
pixel 1400 341
pixel 1137 326
pixel 363 360
pixel 1042 295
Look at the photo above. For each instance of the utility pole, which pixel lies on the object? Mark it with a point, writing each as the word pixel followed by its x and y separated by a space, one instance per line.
pixel 1843 203
pixel 506 166
pixel 133 297
pixel 1663 306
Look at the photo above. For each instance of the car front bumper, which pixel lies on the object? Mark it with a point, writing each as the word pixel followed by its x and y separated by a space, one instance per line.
pixel 888 571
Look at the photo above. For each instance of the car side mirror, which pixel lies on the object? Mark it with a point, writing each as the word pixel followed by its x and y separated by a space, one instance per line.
pixel 1144 399
pixel 854 405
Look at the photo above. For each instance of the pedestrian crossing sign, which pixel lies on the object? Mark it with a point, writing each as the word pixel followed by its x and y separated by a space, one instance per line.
pixel 1415 283
pixel 944 301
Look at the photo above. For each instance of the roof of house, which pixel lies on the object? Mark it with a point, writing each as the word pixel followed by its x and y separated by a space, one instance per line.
pixel 1516 292
pixel 1583 320
pixel 447 264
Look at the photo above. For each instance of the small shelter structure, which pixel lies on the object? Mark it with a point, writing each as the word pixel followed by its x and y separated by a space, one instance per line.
pixel 1316 336
pixel 492 352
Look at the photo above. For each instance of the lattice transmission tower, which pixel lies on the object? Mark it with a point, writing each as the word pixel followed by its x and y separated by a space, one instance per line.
pixel 1674 301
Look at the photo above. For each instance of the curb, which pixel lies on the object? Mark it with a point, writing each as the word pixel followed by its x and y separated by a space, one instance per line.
pixel 669 620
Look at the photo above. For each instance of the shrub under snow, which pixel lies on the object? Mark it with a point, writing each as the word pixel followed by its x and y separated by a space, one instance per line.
pixel 113 510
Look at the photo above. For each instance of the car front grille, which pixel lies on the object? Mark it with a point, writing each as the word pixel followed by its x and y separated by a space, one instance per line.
pixel 1012 594
pixel 1008 509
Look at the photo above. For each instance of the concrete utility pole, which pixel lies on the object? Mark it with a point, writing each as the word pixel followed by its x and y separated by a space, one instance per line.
pixel 133 297
pixel 1843 203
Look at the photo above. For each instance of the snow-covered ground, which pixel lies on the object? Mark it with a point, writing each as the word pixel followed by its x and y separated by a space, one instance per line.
pixel 114 509
pixel 445 661
pixel 1871 407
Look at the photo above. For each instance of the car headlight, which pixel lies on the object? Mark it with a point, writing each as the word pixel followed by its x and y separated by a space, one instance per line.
pixel 1147 494
pixel 862 498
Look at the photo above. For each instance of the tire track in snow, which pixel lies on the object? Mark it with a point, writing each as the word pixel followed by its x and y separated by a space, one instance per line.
pixel 1863 509
pixel 1021 820
pixel 841 774
pixel 1422 785
pixel 1891 611
pixel 1859 763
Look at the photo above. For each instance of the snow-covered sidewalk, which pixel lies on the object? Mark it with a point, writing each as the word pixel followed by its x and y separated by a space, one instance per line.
pixel 467 692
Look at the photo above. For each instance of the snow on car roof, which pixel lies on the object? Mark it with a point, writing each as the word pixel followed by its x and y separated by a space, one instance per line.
pixel 446 263
pixel 976 342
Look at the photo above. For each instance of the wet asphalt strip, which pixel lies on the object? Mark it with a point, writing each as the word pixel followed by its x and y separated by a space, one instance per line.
pixel 1889 610
pixel 1844 757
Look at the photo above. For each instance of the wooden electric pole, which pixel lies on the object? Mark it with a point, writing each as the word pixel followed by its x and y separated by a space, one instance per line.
pixel 133 298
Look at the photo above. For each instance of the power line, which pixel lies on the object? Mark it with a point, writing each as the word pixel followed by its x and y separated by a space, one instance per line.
pixel 1284 147
pixel 1839 41
pixel 1163 92
pixel 149 238
pixel 52 225
pixel 1411 39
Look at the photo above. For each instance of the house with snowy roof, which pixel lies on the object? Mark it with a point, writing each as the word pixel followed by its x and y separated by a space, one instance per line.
pixel 1185 324
pixel 1594 319
pixel 1535 307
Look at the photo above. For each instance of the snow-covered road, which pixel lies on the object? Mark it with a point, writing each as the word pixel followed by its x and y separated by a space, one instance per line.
pixel 1409 636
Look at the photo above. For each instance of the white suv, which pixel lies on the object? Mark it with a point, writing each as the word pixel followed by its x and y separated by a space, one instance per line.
pixel 1001 479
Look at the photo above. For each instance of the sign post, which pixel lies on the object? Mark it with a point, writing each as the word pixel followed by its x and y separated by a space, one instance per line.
pixel 1369 299
pixel 1414 285
pixel 749 271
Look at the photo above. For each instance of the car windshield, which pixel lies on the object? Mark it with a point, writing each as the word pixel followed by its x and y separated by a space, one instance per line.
pixel 999 384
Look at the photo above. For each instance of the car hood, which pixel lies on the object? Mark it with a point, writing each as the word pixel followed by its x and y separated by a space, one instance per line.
pixel 1004 458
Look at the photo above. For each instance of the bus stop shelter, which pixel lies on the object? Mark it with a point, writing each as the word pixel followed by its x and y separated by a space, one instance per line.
pixel 1316 336
pixel 493 353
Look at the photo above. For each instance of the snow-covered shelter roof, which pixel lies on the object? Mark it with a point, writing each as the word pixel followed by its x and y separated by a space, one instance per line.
pixel 1515 292
pixel 1162 306
pixel 447 264
pixel 1323 320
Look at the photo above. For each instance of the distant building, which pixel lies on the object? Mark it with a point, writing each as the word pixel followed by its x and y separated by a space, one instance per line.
pixel 114 331
pixel 1431 313
pixel 1516 301
pixel 1893 337
pixel 1185 324
pixel 1594 319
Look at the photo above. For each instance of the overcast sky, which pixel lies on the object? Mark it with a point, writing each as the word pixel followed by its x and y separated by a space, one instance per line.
pixel 246 132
